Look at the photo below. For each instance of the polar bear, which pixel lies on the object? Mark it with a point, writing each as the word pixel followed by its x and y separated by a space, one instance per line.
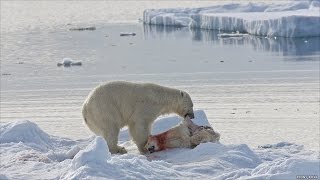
pixel 113 105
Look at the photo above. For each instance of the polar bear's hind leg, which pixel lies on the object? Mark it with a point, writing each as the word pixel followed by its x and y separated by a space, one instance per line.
pixel 111 138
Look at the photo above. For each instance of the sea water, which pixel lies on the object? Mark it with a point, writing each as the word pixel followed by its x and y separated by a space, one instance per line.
pixel 254 90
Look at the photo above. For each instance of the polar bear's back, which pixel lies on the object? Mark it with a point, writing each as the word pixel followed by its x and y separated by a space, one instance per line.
pixel 129 93
pixel 110 99
pixel 119 99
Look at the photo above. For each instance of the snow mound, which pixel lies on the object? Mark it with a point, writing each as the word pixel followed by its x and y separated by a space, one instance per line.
pixel 25 132
pixel 96 152
pixel 96 162
pixel 60 158
pixel 289 19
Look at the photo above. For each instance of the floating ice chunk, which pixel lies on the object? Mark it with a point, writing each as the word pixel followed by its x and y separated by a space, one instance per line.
pixel 301 23
pixel 67 62
pixel 127 34
pixel 91 28
pixel 228 35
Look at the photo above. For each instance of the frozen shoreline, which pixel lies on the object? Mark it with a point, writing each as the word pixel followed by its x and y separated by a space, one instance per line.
pixel 291 19
pixel 53 157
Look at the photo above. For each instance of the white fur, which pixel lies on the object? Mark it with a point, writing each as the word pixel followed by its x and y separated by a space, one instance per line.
pixel 111 106
pixel 184 135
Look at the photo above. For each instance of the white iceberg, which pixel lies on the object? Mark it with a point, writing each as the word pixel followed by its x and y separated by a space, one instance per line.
pixel 27 152
pixel 286 19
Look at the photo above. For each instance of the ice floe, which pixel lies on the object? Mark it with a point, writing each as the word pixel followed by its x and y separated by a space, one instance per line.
pixel 285 19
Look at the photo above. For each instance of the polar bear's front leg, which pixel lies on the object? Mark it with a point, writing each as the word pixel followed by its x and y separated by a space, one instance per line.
pixel 140 133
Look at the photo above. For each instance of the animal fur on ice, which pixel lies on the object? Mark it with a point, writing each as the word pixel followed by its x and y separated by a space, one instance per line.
pixel 185 135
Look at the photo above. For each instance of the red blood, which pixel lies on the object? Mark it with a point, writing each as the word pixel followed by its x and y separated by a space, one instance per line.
pixel 161 140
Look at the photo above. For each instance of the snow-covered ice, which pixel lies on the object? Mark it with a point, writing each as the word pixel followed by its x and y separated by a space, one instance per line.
pixel 27 152
pixel 286 19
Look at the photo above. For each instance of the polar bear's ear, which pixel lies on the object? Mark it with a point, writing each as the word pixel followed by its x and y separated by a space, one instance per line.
pixel 181 93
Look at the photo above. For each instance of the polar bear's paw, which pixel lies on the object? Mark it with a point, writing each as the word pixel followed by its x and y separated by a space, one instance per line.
pixel 117 150
pixel 121 150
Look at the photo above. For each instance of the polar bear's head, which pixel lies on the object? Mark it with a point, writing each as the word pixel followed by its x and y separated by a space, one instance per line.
pixel 185 107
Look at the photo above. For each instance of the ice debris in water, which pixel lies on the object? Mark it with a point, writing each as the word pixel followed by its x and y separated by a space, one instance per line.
pixel 230 35
pixel 67 62
pixel 91 28
pixel 127 34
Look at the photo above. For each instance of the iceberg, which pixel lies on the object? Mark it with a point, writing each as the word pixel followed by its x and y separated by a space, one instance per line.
pixel 285 19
